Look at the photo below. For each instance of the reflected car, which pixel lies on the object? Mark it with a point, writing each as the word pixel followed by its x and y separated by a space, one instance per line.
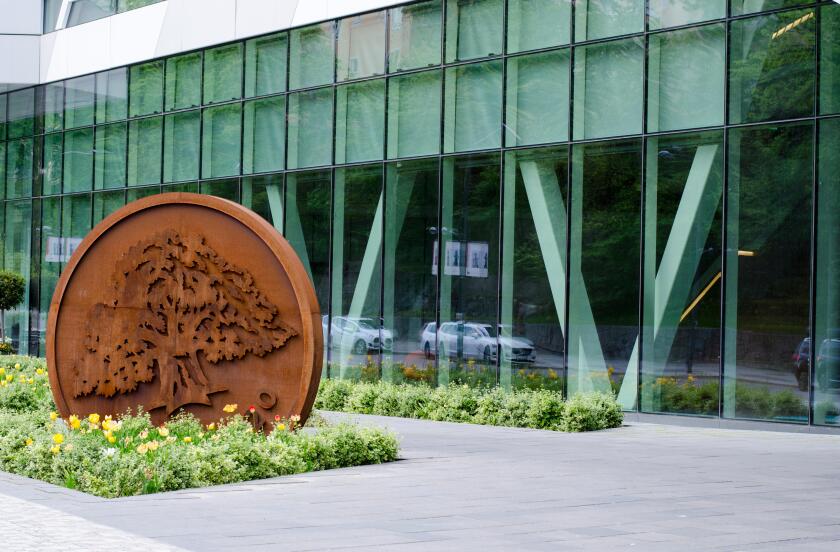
pixel 475 340
pixel 828 364
pixel 801 363
pixel 361 335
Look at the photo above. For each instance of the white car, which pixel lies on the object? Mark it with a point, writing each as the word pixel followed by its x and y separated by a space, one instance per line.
pixel 475 340
pixel 359 335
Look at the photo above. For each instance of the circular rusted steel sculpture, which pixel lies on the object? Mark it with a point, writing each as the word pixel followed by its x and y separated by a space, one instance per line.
pixel 185 302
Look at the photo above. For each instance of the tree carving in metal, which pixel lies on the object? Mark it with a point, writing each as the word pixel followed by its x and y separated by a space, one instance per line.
pixel 176 306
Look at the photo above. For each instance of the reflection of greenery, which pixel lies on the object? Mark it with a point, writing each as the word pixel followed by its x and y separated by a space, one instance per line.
pixel 693 397
pixel 469 372
pixel 539 409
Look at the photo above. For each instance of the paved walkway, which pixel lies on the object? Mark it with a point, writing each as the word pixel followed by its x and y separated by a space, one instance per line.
pixel 460 487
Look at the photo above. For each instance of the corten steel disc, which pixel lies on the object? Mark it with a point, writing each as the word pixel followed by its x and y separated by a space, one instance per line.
pixel 185 302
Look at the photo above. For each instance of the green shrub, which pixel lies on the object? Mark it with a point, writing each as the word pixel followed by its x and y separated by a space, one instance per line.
pixel 533 408
pixel 130 456
pixel 590 412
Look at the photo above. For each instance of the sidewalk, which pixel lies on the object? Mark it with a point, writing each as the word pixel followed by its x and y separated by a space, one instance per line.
pixel 462 487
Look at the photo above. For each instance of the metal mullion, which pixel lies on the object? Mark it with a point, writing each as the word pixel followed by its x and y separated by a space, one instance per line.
pixel 642 206
pixel 568 207
pixel 724 263
pixel 200 122
pixel 331 230
pixel 815 199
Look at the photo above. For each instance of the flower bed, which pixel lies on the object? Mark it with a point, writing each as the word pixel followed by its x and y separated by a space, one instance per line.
pixel 129 456
pixel 539 409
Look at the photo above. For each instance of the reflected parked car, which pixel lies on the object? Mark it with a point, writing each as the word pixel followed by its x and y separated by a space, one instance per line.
pixel 475 340
pixel 361 335
pixel 828 364
pixel 801 363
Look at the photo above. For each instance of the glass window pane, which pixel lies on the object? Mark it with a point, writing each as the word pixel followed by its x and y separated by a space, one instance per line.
pixel 604 268
pixel 53 157
pixel 468 252
pixel 133 194
pixel 772 67
pixel 53 107
pixel 78 160
pixel 75 222
pixel 264 196
pixel 414 114
pixel 144 151
pixel 223 73
pixel 51 252
pixel 146 88
pixel 19 168
pixel 183 81
pixel 596 19
pixel 265 135
pixel 682 271
pixel 227 188
pixel 686 73
pixel 125 5
pixel 534 24
pixel 768 255
pixel 827 335
pixel 17 255
pixel 265 65
pixel 310 128
pixel 21 114
pixel 221 141
pixel 307 226
pixel 609 89
pixel 533 290
pixel 3 124
pixel 84 11
pixel 105 203
pixel 741 7
pixel 473 29
pixel 414 39
pixel 79 100
pixel 670 13
pixel 355 335
pixel 361 46
pixel 110 156
pixel 409 292
pixel 312 56
pixel 181 146
pixel 473 102
pixel 189 187
pixel 2 171
pixel 537 99
pixel 360 122
pixel 111 95
pixel 830 59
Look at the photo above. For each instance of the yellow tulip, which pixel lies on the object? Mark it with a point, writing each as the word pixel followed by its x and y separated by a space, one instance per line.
pixel 163 431
pixel 17 366
pixel 281 427
pixel 152 445
pixel 142 448
pixel 74 421
pixel 211 427
pixel 93 418
pixel 188 439
pixel 2 371
pixel 53 416
pixel 55 450
pixel 112 439
pixel 29 442
pixel 58 438
pixel 230 408
pixel 40 371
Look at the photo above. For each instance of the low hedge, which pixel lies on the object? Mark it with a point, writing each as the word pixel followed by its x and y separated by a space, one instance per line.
pixel 538 409
pixel 130 456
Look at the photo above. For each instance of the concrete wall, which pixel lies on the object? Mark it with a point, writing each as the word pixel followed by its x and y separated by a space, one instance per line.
pixel 20 27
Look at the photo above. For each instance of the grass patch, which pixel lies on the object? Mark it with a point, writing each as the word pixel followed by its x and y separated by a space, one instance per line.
pixel 129 456
pixel 532 408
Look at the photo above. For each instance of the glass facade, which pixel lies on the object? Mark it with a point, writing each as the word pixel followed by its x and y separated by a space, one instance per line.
pixel 637 196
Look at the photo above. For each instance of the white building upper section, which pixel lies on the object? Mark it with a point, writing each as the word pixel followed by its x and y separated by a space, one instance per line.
pixel 28 57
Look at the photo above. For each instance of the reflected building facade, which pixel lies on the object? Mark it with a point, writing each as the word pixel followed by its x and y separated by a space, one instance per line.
pixel 633 196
